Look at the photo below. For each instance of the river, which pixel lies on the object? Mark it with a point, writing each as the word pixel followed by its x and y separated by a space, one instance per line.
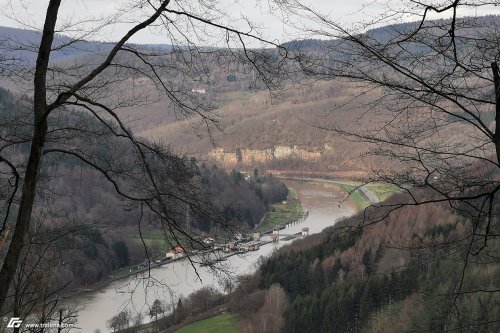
pixel 176 279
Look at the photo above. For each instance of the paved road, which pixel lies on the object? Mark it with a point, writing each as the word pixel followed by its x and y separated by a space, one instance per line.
pixel 369 194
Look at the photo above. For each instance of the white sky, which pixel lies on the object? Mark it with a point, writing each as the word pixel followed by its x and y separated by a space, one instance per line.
pixel 30 14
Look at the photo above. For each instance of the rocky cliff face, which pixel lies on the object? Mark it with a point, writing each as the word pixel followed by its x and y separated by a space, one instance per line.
pixel 246 156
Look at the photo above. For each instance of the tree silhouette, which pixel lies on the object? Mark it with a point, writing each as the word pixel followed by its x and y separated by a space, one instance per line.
pixel 156 309
pixel 120 321
pixel 158 185
pixel 427 109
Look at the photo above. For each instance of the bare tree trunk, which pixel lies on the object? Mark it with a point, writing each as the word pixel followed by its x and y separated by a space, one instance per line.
pixel 59 329
pixel 496 79
pixel 72 95
pixel 35 158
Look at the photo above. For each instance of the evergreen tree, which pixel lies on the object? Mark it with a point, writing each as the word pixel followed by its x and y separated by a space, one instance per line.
pixel 157 309
pixel 121 251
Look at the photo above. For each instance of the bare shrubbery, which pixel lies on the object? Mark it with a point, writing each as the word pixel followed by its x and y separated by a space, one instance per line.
pixel 268 318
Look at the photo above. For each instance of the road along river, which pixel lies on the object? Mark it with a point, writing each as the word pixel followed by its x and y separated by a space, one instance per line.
pixel 179 278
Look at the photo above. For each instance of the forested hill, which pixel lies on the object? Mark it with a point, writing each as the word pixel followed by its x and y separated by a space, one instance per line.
pixel 293 129
pixel 74 196
pixel 19 44
pixel 387 277
pixel 390 31
pixel 285 138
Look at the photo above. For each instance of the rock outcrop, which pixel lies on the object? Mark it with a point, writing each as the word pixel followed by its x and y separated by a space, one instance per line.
pixel 245 156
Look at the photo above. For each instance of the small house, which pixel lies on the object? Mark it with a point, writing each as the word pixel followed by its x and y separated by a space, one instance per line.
pixel 178 249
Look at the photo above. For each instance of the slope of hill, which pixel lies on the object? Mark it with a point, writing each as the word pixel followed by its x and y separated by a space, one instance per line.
pixel 411 266
pixel 256 129
pixel 72 195
pixel 407 273
pixel 252 129
pixel 21 44
pixel 244 110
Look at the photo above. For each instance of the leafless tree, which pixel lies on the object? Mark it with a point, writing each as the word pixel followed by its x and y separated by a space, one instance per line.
pixel 53 122
pixel 37 282
pixel 120 322
pixel 427 111
pixel 269 317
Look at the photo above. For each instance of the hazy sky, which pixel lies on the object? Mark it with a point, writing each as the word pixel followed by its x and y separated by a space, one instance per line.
pixel 30 14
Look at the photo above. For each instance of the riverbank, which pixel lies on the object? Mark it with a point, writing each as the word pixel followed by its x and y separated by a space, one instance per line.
pixel 358 194
pixel 103 284
pixel 321 201
pixel 282 213
pixel 170 282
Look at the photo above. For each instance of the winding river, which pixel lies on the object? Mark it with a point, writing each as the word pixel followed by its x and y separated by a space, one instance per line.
pixel 179 278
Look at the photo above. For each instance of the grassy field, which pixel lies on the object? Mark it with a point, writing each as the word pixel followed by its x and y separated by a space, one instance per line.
pixel 124 271
pixel 292 193
pixel 383 191
pixel 153 240
pixel 360 201
pixel 232 96
pixel 219 324
pixel 282 212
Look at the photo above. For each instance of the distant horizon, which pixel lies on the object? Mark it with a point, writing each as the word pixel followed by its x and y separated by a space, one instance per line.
pixel 62 34
pixel 29 15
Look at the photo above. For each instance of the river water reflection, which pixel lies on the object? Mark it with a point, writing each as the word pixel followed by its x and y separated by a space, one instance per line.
pixel 173 280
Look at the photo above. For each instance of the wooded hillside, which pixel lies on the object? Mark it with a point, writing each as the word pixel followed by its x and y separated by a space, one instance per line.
pixel 394 276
